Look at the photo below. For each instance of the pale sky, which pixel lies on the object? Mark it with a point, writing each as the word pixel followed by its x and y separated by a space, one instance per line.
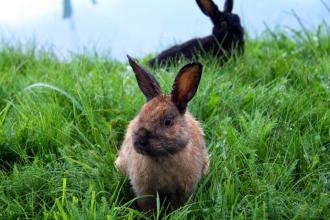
pixel 138 27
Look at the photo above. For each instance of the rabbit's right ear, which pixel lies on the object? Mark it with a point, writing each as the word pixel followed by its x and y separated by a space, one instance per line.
pixel 210 9
pixel 229 4
pixel 185 85
pixel 147 82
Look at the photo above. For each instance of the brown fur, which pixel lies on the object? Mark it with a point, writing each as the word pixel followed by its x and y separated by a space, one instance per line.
pixel 174 175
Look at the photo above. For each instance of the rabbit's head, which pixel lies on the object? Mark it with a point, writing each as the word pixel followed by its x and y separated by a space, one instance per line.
pixel 226 24
pixel 161 128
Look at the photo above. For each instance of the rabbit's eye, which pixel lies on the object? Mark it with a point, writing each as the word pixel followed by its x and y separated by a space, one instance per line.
pixel 168 121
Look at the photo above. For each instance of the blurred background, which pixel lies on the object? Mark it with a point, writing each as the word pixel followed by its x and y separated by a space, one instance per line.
pixel 118 27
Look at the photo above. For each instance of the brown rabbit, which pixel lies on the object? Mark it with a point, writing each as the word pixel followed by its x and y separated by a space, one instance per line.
pixel 164 150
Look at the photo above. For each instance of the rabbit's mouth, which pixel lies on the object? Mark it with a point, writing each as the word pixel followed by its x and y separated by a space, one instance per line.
pixel 140 148
pixel 150 151
pixel 156 150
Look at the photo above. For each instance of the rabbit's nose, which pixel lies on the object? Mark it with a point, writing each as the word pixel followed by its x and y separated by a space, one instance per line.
pixel 141 136
pixel 142 133
pixel 141 140
pixel 223 24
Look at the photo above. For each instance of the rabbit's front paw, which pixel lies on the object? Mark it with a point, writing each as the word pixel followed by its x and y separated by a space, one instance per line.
pixel 120 164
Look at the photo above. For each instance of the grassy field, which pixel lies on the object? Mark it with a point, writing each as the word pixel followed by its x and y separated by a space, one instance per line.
pixel 266 116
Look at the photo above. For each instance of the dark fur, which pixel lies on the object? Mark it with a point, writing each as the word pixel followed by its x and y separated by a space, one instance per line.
pixel 227 36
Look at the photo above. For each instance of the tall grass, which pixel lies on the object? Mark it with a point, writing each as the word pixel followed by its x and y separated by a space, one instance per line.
pixel 266 117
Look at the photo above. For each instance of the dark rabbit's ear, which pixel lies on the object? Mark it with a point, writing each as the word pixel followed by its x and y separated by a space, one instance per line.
pixel 229 4
pixel 147 82
pixel 185 85
pixel 210 9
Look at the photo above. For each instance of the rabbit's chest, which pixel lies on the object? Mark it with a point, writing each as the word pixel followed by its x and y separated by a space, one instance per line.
pixel 167 175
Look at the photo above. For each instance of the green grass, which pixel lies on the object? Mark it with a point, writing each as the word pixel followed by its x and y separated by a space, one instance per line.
pixel 266 116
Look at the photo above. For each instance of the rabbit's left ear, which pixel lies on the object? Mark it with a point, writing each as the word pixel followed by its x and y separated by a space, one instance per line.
pixel 185 85
pixel 228 7
pixel 210 9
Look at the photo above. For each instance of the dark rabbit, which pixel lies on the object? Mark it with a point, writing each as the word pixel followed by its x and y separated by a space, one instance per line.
pixel 227 35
